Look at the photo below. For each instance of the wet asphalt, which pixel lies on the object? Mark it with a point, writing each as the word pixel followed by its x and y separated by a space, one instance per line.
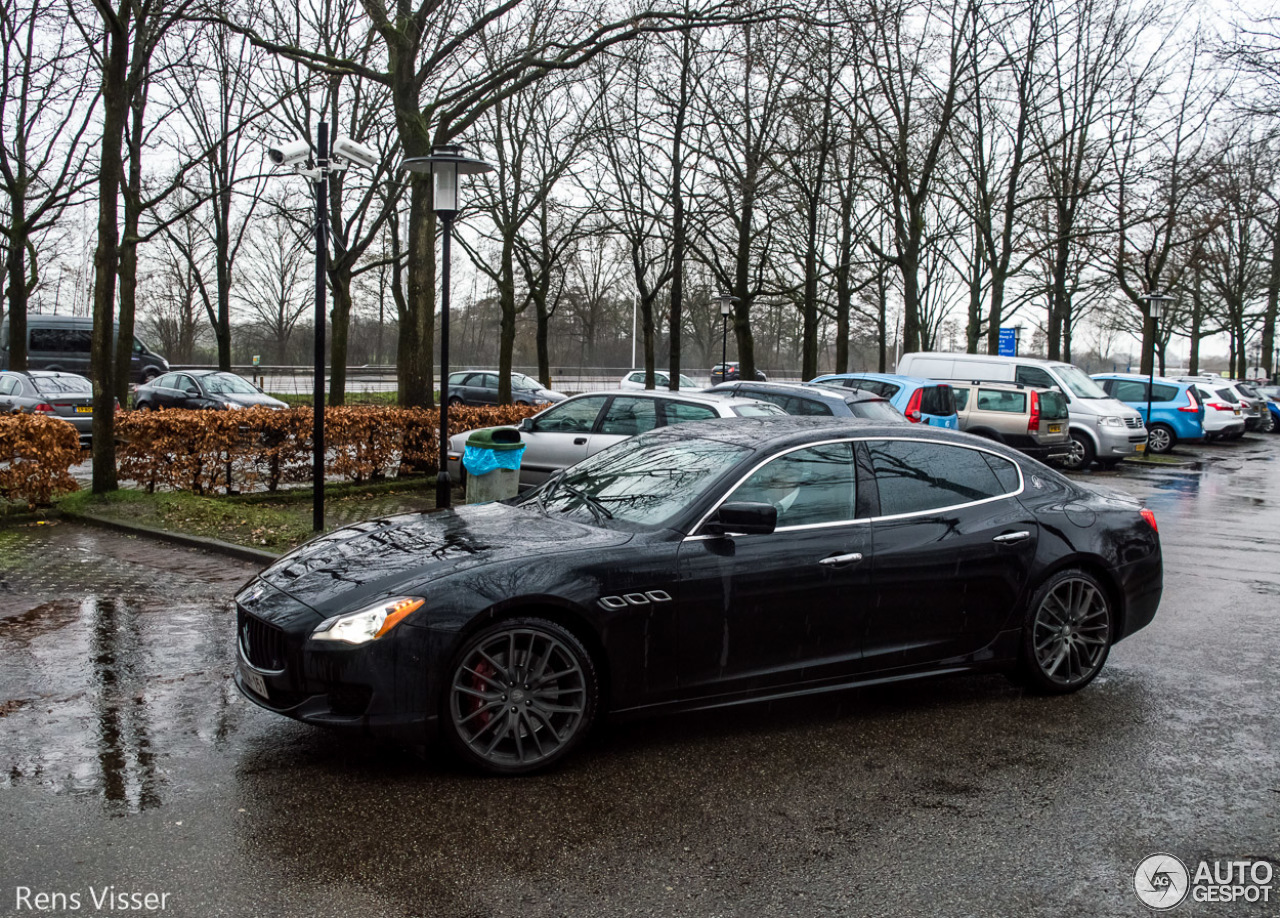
pixel 127 759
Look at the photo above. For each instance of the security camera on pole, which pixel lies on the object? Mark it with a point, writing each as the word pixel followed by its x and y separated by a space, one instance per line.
pixel 296 154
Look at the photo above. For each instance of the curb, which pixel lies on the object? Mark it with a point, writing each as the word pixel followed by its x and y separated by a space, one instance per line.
pixel 217 546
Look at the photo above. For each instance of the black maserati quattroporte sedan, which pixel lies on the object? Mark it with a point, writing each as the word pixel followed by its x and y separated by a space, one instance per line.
pixel 694 566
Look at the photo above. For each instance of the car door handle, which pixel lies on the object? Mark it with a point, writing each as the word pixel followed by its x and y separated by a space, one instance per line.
pixel 835 560
pixel 579 441
pixel 1009 538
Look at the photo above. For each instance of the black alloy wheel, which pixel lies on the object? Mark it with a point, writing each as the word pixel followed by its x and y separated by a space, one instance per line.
pixel 455 401
pixel 1160 438
pixel 1082 453
pixel 1068 634
pixel 522 695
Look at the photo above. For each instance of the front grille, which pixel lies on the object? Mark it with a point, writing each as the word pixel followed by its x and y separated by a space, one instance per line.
pixel 1133 423
pixel 263 645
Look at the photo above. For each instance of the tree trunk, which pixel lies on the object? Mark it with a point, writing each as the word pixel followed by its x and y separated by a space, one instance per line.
pixel 17 293
pixel 415 363
pixel 115 106
pixel 339 330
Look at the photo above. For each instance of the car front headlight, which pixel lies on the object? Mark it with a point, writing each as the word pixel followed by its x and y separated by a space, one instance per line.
pixel 368 624
pixel 1111 422
pixel 232 406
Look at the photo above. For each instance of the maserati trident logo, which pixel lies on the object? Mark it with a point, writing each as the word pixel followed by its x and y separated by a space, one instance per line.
pixel 1161 882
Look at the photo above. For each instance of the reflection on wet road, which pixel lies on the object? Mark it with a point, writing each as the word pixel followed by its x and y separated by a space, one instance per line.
pixel 126 757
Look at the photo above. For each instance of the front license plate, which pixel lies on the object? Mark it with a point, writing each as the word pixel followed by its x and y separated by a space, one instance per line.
pixel 1140 447
pixel 253 681
pixel 82 409
pixel 1055 428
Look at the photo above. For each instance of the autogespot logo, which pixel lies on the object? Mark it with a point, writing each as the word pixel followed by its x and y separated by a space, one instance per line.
pixel 1161 881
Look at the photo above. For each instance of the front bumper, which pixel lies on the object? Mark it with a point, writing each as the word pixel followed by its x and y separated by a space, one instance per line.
pixel 1121 441
pixel 376 689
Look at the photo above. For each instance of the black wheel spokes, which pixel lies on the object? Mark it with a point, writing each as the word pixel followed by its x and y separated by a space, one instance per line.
pixel 532 705
pixel 1070 632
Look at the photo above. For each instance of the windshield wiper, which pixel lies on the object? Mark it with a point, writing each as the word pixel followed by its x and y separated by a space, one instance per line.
pixel 598 510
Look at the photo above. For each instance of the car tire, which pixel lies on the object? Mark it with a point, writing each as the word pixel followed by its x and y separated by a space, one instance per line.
pixel 1273 426
pixel 1161 438
pixel 455 401
pixel 144 406
pixel 1068 633
pixel 1082 453
pixel 502 713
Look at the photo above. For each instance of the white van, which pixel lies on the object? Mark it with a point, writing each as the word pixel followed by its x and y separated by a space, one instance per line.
pixel 1102 428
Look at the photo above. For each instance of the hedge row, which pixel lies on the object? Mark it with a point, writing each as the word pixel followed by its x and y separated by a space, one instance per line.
pixel 261 449
pixel 36 452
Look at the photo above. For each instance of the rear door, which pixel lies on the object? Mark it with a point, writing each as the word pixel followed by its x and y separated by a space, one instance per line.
pixel 626 416
pixel 953 551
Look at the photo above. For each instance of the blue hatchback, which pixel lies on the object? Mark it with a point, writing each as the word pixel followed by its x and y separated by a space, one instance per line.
pixel 1176 414
pixel 921 401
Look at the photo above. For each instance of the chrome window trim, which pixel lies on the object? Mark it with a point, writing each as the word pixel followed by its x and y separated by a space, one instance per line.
pixel 696 536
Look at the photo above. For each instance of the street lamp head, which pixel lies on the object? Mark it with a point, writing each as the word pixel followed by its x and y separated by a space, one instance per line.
pixel 726 303
pixel 1155 303
pixel 446 163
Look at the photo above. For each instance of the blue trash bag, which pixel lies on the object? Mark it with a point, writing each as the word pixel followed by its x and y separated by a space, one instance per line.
pixel 480 461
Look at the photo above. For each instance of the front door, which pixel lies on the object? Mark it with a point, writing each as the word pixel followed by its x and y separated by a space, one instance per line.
pixel 782 609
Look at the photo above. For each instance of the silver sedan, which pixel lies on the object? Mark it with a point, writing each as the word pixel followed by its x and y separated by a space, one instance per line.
pixel 62 395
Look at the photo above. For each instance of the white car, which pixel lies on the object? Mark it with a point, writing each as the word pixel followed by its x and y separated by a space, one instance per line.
pixel 581 426
pixel 661 380
pixel 1223 418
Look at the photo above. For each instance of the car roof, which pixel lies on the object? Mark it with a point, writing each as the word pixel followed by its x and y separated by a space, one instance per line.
pixel 1142 377
pixel 886 377
pixel 45 374
pixel 813 390
pixel 704 397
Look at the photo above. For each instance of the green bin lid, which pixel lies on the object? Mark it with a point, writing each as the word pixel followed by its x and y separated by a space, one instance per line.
pixel 499 439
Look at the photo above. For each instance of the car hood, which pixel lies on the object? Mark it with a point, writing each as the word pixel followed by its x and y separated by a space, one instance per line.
pixel 249 400
pixel 368 561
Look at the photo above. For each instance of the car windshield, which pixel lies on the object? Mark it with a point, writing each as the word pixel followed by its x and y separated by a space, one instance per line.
pixel 644 482
pixel 875 410
pixel 61 385
pixel 1081 386
pixel 228 384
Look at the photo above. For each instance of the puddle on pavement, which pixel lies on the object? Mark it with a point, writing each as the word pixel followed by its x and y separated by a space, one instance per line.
pixel 102 693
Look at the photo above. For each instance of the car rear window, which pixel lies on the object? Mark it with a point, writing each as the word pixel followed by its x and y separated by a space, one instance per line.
pixel 937 400
pixel 1228 396
pixel 875 410
pixel 62 385
pixel 1053 405
pixel 917 475
pixel 679 412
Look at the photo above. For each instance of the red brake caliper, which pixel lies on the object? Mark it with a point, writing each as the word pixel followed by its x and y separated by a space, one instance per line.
pixel 483 668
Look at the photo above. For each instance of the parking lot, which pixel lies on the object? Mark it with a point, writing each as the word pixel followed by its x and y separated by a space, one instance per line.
pixel 128 759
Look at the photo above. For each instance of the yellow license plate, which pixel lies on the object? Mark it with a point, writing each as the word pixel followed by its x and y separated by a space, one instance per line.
pixel 1140 447
pixel 1055 428
pixel 81 409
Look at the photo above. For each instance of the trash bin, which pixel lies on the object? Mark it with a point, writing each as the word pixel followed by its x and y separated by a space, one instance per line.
pixel 492 461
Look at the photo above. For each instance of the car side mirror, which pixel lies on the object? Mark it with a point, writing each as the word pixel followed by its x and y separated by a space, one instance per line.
pixel 526 425
pixel 744 518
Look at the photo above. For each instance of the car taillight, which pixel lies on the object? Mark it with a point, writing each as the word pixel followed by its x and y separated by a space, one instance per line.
pixel 913 406
pixel 1221 406
pixel 1033 422
pixel 118 408
pixel 44 408
pixel 1192 404
pixel 1150 517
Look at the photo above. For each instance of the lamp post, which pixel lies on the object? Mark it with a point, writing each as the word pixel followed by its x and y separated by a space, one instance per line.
pixel 445 163
pixel 298 155
pixel 1155 305
pixel 1017 339
pixel 726 307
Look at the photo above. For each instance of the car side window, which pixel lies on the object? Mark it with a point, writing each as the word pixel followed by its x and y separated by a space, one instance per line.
pixel 807 486
pixel 165 381
pixel 487 381
pixel 996 400
pixel 629 416
pixel 808 407
pixel 636 377
pixel 961 395
pixel 1034 376
pixel 8 384
pixel 916 475
pixel 680 412
pixel 1129 390
pixel 458 379
pixel 575 416
pixel 188 385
